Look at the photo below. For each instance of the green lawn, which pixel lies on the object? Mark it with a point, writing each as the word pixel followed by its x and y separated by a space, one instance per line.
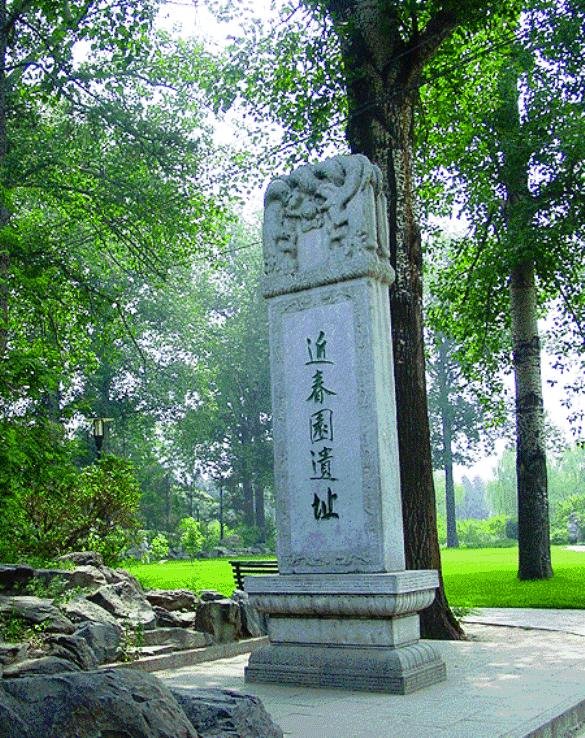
pixel 487 578
pixel 473 578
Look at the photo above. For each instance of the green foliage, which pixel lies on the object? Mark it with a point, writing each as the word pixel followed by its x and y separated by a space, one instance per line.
pixel 501 491
pixel 132 638
pixel 14 629
pixel 159 546
pixel 504 139
pixel 484 533
pixel 94 508
pixel 211 534
pixel 191 536
pixel 574 507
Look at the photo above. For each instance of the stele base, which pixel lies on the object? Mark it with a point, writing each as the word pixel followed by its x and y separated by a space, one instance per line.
pixel 352 631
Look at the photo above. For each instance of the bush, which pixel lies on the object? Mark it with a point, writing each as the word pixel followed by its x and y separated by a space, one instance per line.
pixel 572 506
pixel 191 536
pixel 93 509
pixel 492 532
pixel 159 547
pixel 211 534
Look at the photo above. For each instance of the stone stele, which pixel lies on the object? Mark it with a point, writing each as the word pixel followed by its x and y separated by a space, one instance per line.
pixel 343 612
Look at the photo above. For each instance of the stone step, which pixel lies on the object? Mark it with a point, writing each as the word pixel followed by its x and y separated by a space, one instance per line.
pixel 141 651
pixel 176 638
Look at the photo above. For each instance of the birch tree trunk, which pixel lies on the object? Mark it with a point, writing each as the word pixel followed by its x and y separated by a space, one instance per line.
pixel 531 474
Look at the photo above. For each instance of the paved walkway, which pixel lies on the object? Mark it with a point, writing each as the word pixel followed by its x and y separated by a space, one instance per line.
pixel 516 680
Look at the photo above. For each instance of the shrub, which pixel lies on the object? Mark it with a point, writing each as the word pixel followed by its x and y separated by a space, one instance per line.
pixel 159 547
pixel 491 532
pixel 93 509
pixel 575 506
pixel 191 536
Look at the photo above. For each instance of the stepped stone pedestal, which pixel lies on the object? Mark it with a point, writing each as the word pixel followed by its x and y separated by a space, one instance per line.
pixel 343 612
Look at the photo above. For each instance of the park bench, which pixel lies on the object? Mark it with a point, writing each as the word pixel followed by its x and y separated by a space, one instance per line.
pixel 240 569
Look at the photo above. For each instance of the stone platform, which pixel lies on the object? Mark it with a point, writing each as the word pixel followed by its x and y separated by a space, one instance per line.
pixel 354 631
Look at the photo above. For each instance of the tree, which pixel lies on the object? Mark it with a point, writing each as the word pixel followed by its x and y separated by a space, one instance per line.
pixel 514 171
pixel 377 52
pixel 501 491
pixel 456 418
pixel 101 161
pixel 228 435
pixel 105 157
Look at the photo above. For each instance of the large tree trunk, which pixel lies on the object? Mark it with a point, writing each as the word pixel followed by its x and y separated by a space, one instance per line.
pixel 531 474
pixel 447 434
pixel 533 520
pixel 381 83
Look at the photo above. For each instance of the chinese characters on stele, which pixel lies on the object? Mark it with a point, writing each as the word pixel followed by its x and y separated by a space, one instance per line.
pixel 322 452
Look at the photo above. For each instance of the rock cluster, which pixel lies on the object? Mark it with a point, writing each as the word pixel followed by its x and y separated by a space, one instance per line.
pixel 124 703
pixel 53 645
pixel 103 615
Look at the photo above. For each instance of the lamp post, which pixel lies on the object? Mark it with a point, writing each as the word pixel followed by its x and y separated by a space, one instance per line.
pixel 221 510
pixel 99 432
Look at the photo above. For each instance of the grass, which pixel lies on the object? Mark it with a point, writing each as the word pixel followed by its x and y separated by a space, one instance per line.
pixel 488 578
pixel 483 577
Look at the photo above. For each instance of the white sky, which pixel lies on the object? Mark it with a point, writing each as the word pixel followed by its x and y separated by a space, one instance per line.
pixel 187 19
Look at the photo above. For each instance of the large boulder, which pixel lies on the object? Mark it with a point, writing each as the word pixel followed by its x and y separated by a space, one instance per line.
pixel 173 599
pixel 103 638
pixel 125 603
pixel 87 577
pixel 174 618
pixel 120 703
pixel 14 576
pixel 36 611
pixel 179 638
pixel 83 558
pixel 12 652
pixel 82 610
pixel 221 618
pixel 208 595
pixel 43 666
pixel 73 648
pixel 217 713
pixel 254 623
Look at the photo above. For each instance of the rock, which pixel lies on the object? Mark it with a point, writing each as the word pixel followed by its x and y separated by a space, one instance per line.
pixel 225 713
pixel 173 599
pixel 82 610
pixel 72 647
pixel 87 576
pixel 103 639
pixel 178 638
pixel 83 558
pixel 175 619
pixel 14 576
pixel 36 610
pixel 208 595
pixel 121 575
pixel 126 603
pixel 10 653
pixel 120 703
pixel 46 665
pixel 254 623
pixel 221 618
